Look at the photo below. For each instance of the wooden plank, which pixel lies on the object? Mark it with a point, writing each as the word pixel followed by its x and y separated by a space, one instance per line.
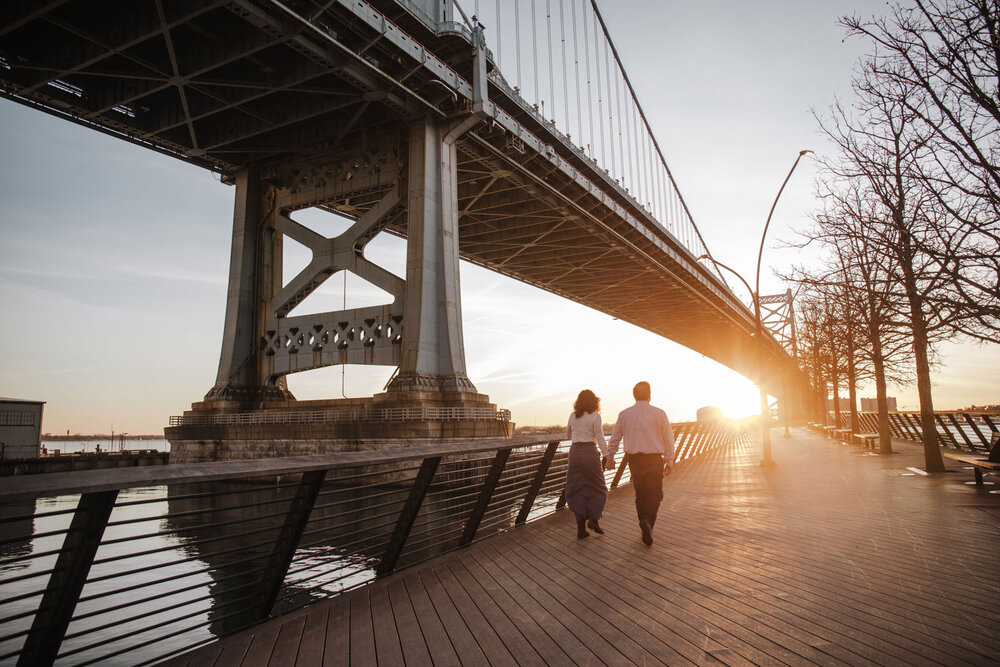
pixel 234 650
pixel 411 639
pixel 286 646
pixel 625 604
pixel 387 646
pixel 484 633
pixel 438 643
pixel 337 641
pixel 362 633
pixel 583 646
pixel 310 650
pixel 528 627
pixel 462 638
pixel 261 645
pixel 515 643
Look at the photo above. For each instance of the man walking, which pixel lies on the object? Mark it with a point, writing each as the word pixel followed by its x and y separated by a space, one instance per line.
pixel 649 443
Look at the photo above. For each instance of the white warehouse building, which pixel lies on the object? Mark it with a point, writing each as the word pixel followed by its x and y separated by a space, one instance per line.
pixel 20 428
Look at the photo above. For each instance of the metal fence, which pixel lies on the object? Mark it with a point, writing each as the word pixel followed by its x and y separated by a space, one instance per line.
pixel 970 431
pixel 131 566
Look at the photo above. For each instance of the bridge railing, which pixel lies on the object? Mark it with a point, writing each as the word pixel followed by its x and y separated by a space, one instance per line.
pixel 134 565
pixel 963 430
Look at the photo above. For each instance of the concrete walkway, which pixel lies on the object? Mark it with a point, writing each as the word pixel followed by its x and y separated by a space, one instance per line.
pixel 833 557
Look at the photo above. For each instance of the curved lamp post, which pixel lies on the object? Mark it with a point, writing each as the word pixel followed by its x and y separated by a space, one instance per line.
pixel 765 416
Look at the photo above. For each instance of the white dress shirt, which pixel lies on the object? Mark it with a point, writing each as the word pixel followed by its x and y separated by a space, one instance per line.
pixel 646 430
pixel 587 428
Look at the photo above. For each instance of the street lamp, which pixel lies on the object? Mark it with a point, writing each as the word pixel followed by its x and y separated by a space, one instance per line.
pixel 758 326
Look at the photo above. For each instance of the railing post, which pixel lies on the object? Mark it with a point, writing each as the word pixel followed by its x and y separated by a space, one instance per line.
pixel 67 579
pixel 485 494
pixel 975 428
pixel 408 515
pixel 289 537
pixel 536 484
pixel 946 434
pixel 961 431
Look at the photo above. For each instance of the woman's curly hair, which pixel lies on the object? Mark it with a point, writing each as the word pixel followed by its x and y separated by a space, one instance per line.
pixel 586 402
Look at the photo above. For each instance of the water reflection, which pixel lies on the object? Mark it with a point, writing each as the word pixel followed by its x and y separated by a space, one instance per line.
pixel 183 564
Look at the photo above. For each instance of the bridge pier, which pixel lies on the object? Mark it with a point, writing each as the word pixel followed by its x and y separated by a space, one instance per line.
pixel 420 332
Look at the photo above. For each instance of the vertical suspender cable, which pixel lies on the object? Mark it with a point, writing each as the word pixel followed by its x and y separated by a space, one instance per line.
pixel 656 145
pixel 517 40
pixel 499 38
pixel 552 62
pixel 576 75
pixel 534 47
pixel 600 96
pixel 562 35
pixel 628 143
pixel 551 67
pixel 619 141
pixel 611 114
pixel 592 140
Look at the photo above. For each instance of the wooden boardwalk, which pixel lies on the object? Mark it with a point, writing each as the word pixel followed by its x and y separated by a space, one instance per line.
pixel 833 557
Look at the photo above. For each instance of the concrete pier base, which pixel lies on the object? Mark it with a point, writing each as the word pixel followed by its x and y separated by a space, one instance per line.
pixel 220 430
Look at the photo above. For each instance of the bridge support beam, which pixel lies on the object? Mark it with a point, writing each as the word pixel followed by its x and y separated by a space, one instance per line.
pixel 433 348
pixel 254 261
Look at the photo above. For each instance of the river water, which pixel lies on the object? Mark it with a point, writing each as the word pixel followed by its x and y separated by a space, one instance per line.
pixel 180 565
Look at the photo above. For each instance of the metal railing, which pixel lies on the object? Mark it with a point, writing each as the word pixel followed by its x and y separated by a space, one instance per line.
pixel 963 430
pixel 134 565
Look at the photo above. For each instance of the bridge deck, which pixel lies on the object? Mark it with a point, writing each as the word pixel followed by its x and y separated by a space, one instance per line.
pixel 833 557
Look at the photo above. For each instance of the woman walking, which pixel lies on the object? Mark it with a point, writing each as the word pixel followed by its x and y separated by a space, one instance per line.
pixel 586 491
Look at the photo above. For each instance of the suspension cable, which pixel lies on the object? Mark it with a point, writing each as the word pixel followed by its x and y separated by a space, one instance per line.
pixel 663 161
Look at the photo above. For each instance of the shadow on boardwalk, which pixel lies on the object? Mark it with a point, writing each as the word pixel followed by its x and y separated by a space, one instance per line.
pixel 833 557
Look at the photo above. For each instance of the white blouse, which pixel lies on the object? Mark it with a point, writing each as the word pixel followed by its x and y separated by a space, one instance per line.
pixel 587 428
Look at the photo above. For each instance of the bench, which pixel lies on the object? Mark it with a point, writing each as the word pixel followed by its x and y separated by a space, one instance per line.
pixel 842 434
pixel 978 463
pixel 869 440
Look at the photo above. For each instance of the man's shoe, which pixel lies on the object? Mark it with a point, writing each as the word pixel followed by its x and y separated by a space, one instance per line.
pixel 581 529
pixel 647 532
pixel 594 526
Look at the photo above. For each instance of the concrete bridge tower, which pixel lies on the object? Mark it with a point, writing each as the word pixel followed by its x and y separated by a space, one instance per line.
pixel 404 179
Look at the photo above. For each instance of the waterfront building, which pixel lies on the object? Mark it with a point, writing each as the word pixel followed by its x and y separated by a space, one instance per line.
pixel 871 404
pixel 20 428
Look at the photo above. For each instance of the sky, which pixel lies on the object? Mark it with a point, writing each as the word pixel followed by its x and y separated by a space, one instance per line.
pixel 114 259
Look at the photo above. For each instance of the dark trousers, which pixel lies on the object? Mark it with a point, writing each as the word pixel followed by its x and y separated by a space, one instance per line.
pixel 647 480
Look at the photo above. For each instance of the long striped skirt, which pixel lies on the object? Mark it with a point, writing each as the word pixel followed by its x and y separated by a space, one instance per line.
pixel 586 491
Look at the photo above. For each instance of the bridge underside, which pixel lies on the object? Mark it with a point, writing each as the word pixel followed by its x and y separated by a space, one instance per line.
pixel 317 99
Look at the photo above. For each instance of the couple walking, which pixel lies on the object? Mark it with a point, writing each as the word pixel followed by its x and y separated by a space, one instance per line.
pixel 649 445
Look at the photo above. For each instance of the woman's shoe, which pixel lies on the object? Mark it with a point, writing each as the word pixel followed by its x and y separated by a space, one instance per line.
pixel 594 526
pixel 581 529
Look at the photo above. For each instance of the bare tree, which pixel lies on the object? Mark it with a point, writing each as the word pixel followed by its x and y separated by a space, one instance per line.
pixel 946 55
pixel 880 147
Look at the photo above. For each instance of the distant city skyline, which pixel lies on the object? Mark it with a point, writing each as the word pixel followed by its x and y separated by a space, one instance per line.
pixel 114 263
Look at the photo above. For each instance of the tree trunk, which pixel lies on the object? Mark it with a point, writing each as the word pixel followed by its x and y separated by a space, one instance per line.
pixel 884 434
pixel 932 452
pixel 852 388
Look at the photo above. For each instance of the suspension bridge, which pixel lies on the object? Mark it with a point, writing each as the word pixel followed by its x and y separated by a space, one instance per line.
pixel 507 135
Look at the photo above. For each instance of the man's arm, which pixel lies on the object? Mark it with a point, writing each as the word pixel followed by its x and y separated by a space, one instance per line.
pixel 667 435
